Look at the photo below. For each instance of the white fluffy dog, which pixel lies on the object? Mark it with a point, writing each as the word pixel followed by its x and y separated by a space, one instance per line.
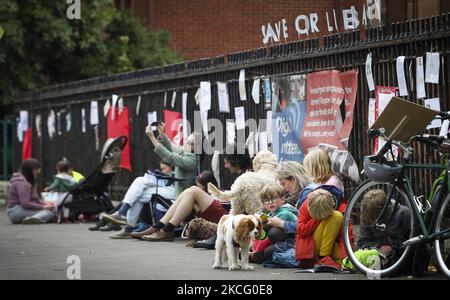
pixel 234 233
pixel 244 193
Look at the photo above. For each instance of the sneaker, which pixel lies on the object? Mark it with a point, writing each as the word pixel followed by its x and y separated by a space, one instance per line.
pixel 115 218
pixel 160 236
pixel 31 221
pixel 328 261
pixel 98 225
pixel 123 234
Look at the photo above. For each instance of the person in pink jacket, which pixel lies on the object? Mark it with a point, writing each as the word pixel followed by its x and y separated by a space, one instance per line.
pixel 23 204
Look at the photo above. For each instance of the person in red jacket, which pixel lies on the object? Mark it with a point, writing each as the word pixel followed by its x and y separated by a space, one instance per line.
pixel 318 231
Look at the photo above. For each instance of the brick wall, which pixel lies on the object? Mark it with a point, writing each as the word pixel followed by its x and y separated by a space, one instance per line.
pixel 205 28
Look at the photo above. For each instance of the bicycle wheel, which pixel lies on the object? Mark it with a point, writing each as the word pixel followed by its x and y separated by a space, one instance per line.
pixel 442 245
pixel 356 233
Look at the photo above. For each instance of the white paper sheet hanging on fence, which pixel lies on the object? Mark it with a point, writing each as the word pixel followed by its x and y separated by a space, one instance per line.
pixel 369 74
pixel 114 102
pixel 58 122
pixel 205 95
pixel 120 105
pixel 433 104
pixel 224 100
pixel 420 82
pixel 242 91
pixel 256 90
pixel 106 107
pixel 184 101
pixel 197 97
pixel 239 114
pixel 371 112
pixel 231 132
pixel 83 120
pixel 269 126
pixel 263 141
pixel 51 124
pixel 401 79
pixel 165 99
pixel 38 121
pixel 445 127
pixel 138 106
pixel 432 68
pixel 94 113
pixel 204 119
pixel 174 98
pixel 68 121
pixel 215 166
pixel 23 120
pixel 152 117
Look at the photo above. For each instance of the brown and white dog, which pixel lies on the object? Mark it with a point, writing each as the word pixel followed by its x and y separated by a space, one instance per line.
pixel 234 233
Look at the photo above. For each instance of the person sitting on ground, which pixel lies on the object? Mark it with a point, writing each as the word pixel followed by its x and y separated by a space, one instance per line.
pixel 297 183
pixel 318 164
pixel 182 158
pixel 272 198
pixel 192 199
pixel 397 219
pixel 62 182
pixel 139 193
pixel 23 204
pixel 318 239
pixel 236 164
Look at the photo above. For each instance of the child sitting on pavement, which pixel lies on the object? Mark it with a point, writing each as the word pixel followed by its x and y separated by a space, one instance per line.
pixel 272 198
pixel 397 218
pixel 62 183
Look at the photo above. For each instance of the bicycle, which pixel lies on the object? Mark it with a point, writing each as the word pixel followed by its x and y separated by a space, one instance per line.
pixel 391 176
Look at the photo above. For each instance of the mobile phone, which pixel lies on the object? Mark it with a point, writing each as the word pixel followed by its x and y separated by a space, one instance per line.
pixel 156 123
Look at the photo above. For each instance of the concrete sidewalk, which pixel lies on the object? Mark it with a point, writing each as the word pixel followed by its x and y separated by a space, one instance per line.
pixel 41 251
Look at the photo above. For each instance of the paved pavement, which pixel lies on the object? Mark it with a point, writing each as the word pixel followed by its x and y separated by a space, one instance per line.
pixel 41 251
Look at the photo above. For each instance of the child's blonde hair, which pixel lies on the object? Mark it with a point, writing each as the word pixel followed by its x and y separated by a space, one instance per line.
pixel 318 164
pixel 321 204
pixel 271 191
pixel 291 170
pixel 371 206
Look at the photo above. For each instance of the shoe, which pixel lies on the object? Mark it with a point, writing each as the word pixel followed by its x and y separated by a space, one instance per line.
pixel 115 218
pixel 98 225
pixel 328 261
pixel 207 244
pixel 31 221
pixel 141 227
pixel 123 234
pixel 110 227
pixel 160 236
pixel 148 231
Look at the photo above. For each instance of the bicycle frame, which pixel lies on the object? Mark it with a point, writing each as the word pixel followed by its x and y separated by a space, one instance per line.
pixel 404 182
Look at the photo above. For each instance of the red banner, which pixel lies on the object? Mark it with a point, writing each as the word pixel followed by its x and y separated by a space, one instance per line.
pixel 27 145
pixel 174 126
pixel 325 94
pixel 118 127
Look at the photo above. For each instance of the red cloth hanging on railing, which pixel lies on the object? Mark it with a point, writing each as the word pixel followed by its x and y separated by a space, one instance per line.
pixel 117 127
pixel 27 145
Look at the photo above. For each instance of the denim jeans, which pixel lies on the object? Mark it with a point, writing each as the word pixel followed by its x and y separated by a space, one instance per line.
pixel 140 193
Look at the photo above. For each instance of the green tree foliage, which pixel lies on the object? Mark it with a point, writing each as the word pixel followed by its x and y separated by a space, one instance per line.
pixel 39 45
